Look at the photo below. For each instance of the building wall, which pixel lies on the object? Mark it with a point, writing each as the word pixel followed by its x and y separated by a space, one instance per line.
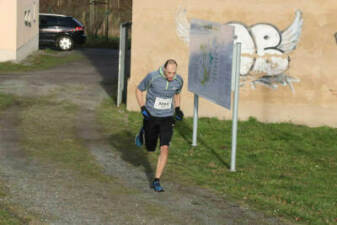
pixel 312 69
pixel 27 28
pixel 19 21
pixel 8 20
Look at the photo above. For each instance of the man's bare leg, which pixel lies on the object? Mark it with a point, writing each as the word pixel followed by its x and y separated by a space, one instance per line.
pixel 162 160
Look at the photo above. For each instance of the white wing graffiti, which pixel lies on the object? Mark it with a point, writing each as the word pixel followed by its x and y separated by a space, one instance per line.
pixel 248 48
pixel 264 49
pixel 291 36
pixel 183 26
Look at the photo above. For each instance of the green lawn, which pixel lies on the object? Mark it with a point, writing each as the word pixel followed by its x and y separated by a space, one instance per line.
pixel 8 218
pixel 286 170
pixel 40 60
pixel 6 101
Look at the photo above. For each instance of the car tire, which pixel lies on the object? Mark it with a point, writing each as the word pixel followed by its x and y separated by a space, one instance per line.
pixel 65 43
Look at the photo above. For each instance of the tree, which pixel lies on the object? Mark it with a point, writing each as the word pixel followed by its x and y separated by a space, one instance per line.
pixel 108 14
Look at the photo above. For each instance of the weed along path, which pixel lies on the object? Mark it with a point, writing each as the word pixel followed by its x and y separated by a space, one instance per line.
pixel 60 166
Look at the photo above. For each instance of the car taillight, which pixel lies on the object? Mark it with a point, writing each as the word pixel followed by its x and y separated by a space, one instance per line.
pixel 78 29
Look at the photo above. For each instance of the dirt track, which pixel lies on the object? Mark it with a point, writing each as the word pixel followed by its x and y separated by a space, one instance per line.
pixel 61 196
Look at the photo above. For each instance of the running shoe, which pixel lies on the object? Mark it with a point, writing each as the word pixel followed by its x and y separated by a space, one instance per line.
pixel 156 186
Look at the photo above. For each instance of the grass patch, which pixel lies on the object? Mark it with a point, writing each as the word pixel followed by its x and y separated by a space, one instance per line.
pixel 6 101
pixel 49 133
pixel 286 170
pixel 40 60
pixel 8 217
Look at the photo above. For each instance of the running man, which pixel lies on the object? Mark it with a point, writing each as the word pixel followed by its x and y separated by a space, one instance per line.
pixel 162 103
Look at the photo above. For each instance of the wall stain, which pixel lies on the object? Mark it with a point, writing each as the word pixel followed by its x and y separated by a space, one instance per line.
pixel 333 92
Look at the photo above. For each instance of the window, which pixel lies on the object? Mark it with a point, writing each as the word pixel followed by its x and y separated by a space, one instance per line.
pixel 48 21
pixel 43 21
pixel 66 22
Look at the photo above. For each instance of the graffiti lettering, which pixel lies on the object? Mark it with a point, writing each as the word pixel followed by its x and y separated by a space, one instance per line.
pixel 27 18
pixel 30 15
pixel 264 49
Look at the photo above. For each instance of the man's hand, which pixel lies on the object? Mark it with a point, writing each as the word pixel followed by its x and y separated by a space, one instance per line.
pixel 146 114
pixel 179 114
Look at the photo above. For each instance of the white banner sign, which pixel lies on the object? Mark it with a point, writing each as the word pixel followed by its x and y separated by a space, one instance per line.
pixel 210 65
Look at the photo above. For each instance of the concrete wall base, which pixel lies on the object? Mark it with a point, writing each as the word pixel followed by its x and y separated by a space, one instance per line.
pixel 27 49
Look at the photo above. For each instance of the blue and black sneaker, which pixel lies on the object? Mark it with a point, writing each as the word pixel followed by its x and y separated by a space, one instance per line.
pixel 156 186
pixel 139 140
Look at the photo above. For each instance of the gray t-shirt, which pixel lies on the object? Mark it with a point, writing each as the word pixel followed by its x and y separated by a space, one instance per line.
pixel 160 92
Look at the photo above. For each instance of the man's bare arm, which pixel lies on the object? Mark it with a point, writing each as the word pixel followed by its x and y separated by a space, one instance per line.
pixel 177 100
pixel 140 97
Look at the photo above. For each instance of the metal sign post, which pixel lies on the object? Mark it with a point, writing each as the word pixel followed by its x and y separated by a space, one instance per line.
pixel 210 65
pixel 236 76
pixel 121 61
pixel 195 119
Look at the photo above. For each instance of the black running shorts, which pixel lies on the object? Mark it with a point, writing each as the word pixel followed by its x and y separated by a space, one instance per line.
pixel 155 127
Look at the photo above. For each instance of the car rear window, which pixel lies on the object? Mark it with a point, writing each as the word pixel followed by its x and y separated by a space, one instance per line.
pixel 48 20
pixel 68 22
pixel 78 22
pixel 59 21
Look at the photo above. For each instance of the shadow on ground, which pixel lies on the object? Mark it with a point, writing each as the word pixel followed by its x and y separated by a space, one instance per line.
pixel 186 131
pixel 106 63
pixel 131 153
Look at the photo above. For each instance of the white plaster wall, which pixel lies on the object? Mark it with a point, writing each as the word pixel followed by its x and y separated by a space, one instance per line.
pixel 8 20
pixel 7 55
pixel 19 23
pixel 313 62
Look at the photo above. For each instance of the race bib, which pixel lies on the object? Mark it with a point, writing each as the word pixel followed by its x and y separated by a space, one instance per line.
pixel 163 103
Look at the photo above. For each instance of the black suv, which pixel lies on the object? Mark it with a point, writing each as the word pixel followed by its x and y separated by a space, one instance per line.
pixel 61 31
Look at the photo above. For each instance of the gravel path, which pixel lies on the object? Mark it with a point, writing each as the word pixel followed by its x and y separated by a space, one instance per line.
pixel 61 196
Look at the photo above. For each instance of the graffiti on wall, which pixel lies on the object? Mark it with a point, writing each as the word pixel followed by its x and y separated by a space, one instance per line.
pixel 30 15
pixel 264 50
pixel 333 92
pixel 28 18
